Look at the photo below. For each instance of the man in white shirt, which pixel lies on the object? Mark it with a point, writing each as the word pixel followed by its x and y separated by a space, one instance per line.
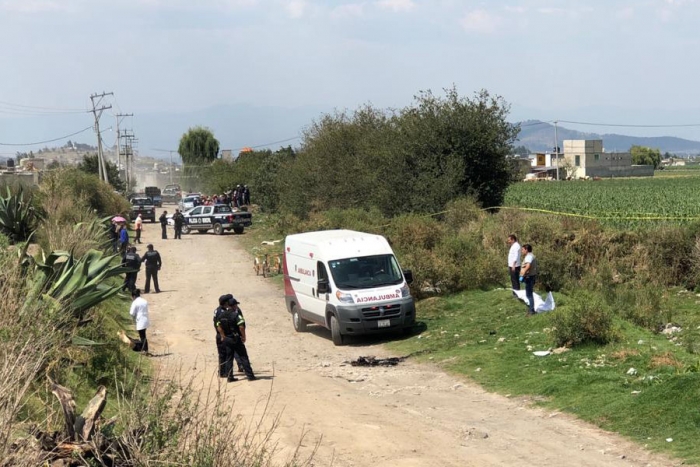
pixel 514 262
pixel 139 312
pixel 138 225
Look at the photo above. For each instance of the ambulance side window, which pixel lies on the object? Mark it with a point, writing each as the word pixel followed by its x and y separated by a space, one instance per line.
pixel 322 274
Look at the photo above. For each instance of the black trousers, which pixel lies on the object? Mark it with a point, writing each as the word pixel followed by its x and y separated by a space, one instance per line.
pixel 138 236
pixel 151 273
pixel 221 351
pixel 142 344
pixel 514 278
pixel 234 346
pixel 178 232
pixel 130 280
pixel 164 231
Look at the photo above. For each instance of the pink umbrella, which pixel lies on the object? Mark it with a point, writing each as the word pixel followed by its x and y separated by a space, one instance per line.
pixel 118 219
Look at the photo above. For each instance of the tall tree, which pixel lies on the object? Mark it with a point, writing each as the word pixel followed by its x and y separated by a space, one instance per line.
pixel 645 156
pixel 198 146
pixel 89 165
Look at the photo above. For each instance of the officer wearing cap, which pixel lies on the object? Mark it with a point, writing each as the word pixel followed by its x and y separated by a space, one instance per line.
pixel 231 328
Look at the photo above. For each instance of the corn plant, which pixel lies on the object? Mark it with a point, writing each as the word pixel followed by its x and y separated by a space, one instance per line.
pixel 18 218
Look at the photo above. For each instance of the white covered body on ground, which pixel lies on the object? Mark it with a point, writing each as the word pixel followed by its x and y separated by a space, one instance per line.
pixel 540 305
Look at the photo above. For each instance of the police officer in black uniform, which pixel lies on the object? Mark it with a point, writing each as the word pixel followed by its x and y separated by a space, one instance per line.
pixel 231 328
pixel 131 261
pixel 164 225
pixel 178 220
pixel 220 347
pixel 153 264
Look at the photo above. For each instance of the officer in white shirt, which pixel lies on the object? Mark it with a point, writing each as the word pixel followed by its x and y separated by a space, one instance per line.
pixel 514 262
pixel 139 312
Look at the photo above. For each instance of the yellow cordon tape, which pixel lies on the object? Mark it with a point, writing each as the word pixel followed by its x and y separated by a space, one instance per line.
pixel 594 217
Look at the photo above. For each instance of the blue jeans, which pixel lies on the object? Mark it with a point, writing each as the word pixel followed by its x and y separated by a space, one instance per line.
pixel 529 292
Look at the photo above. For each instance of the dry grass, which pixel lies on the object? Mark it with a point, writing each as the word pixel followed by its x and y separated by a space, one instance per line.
pixel 179 420
pixel 624 354
pixel 666 359
pixel 68 227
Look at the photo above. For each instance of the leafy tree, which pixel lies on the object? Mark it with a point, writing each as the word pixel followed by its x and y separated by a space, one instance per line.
pixel 412 160
pixel 198 147
pixel 90 165
pixel 645 156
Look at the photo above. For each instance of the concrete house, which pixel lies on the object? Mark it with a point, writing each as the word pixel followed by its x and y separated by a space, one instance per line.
pixel 586 158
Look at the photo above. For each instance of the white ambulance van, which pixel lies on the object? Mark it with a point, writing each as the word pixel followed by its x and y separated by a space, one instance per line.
pixel 346 281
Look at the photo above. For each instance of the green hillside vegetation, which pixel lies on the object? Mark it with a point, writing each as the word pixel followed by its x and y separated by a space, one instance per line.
pixel 59 317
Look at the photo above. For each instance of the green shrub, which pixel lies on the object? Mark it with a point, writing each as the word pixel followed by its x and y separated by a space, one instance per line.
pixel 414 231
pixel 645 307
pixel 463 211
pixel 585 318
pixel 19 218
pixel 84 190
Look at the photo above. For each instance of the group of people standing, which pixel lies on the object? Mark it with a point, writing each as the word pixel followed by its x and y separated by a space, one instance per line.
pixel 133 261
pixel 178 222
pixel 522 268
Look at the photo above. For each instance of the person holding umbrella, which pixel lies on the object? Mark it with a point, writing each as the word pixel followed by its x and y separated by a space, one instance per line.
pixel 114 231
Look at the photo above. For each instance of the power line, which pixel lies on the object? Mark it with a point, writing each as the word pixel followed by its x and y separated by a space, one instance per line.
pixel 52 109
pixel 48 140
pixel 268 144
pixel 681 125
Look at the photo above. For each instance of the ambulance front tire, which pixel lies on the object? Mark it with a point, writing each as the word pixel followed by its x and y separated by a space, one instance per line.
pixel 300 324
pixel 335 331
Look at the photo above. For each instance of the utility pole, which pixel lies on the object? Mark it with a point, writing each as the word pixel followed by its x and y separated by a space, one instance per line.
pixel 170 152
pixel 120 117
pixel 556 146
pixel 128 155
pixel 97 113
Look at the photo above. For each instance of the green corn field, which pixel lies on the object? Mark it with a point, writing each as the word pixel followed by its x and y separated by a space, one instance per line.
pixel 672 198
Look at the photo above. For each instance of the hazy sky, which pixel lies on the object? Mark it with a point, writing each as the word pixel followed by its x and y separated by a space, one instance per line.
pixel 626 61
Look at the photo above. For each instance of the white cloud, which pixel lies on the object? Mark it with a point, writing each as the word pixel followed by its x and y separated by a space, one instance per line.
pixel 296 8
pixel 397 5
pixel 349 10
pixel 481 21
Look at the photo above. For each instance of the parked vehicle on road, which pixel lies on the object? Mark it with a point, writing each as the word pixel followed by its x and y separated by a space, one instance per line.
pixel 144 206
pixel 154 193
pixel 346 281
pixel 189 202
pixel 219 218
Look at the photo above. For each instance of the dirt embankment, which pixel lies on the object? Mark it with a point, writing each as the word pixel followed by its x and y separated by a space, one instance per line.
pixel 408 415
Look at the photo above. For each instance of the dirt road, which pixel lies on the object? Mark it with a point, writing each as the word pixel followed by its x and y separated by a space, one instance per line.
pixel 409 415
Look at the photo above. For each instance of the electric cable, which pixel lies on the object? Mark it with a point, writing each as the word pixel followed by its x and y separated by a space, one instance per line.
pixel 48 140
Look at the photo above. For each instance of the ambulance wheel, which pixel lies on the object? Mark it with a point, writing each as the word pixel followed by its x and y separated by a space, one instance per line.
pixel 218 230
pixel 335 331
pixel 298 322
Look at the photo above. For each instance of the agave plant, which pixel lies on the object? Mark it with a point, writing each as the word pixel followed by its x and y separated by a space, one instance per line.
pixel 18 218
pixel 80 283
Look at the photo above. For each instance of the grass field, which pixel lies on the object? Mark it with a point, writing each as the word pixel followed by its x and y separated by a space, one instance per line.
pixel 672 196
pixel 487 337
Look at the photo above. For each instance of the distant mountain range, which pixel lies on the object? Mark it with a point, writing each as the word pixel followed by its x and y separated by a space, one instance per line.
pixel 539 136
